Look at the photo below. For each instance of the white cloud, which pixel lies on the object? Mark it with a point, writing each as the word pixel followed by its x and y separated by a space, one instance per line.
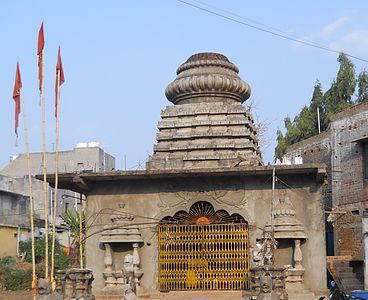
pixel 354 42
pixel 329 28
pixel 325 32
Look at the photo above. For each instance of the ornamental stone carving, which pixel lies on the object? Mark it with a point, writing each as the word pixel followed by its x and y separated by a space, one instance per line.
pixel 74 283
pixel 230 193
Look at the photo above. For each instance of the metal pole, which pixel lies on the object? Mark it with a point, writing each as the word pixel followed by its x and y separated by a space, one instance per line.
pixel 319 122
pixel 46 203
pixel 273 201
pixel 54 208
pixel 31 204
pixel 81 232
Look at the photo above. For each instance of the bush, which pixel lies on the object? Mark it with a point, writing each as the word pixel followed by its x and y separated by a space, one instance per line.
pixel 18 275
pixel 12 276
pixel 61 259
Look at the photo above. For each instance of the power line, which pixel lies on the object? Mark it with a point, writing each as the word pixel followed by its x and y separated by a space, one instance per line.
pixel 269 31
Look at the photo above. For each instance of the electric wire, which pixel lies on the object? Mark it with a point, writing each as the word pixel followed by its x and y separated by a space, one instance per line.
pixel 269 31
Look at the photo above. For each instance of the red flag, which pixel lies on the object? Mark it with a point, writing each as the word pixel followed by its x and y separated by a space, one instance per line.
pixel 59 81
pixel 16 96
pixel 41 44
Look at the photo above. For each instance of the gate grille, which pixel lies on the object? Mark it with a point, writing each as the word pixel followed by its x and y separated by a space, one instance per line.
pixel 203 257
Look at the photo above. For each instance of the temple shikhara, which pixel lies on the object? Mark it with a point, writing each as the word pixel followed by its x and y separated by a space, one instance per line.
pixel 206 214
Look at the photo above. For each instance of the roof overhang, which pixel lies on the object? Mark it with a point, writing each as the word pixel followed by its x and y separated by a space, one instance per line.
pixel 83 182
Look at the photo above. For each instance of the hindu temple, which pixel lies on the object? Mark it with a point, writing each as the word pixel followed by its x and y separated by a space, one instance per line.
pixel 206 215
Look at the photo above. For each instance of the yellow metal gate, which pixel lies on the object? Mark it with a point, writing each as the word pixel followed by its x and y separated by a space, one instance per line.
pixel 203 257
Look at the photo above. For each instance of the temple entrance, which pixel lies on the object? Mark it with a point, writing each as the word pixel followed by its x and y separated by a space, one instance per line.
pixel 203 250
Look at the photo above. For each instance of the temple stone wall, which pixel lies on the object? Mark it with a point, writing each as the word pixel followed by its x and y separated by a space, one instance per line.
pixel 151 200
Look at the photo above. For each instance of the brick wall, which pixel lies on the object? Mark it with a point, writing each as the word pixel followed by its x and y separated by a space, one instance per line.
pixel 341 148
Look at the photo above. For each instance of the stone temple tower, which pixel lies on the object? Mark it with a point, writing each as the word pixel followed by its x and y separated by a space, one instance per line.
pixel 207 127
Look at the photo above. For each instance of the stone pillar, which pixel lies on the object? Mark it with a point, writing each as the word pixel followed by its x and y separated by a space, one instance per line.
pixel 136 269
pixel 110 280
pixel 298 256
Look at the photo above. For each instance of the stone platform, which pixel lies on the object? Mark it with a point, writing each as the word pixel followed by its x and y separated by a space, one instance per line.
pixel 187 295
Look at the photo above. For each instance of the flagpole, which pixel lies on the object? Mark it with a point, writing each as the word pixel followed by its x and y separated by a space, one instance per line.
pixel 31 211
pixel 46 205
pixel 56 181
pixel 81 232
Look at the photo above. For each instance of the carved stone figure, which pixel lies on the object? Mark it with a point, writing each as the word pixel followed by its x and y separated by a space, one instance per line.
pixel 266 289
pixel 257 255
pixel 129 294
pixel 128 273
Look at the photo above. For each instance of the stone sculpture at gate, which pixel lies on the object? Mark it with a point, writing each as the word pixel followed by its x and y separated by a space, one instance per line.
pixel 266 289
pixel 121 231
pixel 129 284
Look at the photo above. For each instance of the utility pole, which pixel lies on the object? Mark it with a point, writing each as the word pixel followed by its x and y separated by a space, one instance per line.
pixel 273 201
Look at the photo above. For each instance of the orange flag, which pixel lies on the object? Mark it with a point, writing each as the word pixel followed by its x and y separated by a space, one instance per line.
pixel 59 81
pixel 40 45
pixel 16 97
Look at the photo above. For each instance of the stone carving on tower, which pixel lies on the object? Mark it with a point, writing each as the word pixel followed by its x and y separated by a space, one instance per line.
pixel 207 127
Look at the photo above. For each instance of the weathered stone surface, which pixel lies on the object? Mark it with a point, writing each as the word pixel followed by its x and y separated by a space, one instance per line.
pixel 74 284
pixel 286 225
pixel 208 126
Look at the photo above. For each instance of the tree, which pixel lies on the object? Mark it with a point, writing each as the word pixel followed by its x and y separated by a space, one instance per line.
pixel 345 81
pixel 281 145
pixel 338 97
pixel 362 87
pixel 318 103
pixel 71 219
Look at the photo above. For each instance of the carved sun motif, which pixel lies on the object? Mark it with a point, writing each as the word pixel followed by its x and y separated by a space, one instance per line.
pixel 202 213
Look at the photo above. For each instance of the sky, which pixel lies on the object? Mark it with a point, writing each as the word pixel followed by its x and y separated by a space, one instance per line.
pixel 119 56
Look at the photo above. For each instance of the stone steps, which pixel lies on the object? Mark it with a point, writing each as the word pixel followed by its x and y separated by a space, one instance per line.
pixel 186 295
pixel 342 272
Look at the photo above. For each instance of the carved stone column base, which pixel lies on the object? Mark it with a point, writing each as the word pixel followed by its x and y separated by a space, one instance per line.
pixel 295 286
pixel 111 290
pixel 74 283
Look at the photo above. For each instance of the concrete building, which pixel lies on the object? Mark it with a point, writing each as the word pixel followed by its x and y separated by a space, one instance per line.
pixel 344 149
pixel 14 219
pixel 204 215
pixel 85 157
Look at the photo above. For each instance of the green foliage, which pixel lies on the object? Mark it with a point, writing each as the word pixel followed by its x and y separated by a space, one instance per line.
pixel 7 261
pixel 71 219
pixel 61 259
pixel 13 277
pixel 338 97
pixel 362 87
pixel 345 81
